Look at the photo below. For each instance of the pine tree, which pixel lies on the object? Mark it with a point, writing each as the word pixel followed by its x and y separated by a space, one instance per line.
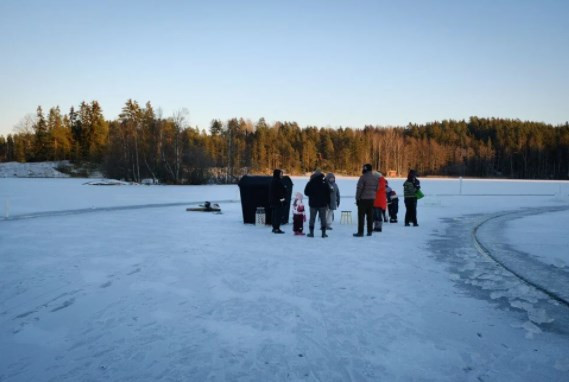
pixel 41 137
pixel 60 134
pixel 97 133
pixel 130 124
pixel 216 127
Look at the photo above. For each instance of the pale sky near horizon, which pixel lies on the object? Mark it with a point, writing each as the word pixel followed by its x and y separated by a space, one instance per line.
pixel 323 63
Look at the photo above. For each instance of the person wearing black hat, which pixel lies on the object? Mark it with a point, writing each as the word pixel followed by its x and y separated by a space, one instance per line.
pixel 318 193
pixel 365 195
pixel 277 197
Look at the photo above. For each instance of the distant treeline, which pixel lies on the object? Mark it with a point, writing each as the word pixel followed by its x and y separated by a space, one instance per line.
pixel 141 144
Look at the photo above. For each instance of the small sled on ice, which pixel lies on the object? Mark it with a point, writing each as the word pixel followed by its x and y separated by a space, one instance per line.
pixel 206 207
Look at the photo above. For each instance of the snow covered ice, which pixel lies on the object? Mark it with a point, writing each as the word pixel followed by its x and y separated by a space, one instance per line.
pixel 122 284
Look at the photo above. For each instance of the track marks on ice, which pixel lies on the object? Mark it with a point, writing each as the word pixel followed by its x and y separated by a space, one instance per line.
pixel 65 304
pixel 56 304
pixel 52 306
pixel 113 278
pixel 483 278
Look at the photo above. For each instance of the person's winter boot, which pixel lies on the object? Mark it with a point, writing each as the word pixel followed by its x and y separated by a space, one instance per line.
pixel 324 232
pixel 311 233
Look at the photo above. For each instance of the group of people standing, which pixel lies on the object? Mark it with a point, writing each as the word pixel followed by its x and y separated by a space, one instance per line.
pixel 373 197
pixel 323 199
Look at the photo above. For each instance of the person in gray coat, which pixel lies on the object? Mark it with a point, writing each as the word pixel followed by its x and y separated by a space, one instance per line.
pixel 365 195
pixel 334 199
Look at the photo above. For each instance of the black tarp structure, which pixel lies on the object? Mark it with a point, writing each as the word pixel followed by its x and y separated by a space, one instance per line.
pixel 254 190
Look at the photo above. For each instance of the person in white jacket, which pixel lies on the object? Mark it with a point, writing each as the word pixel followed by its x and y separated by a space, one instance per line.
pixel 298 215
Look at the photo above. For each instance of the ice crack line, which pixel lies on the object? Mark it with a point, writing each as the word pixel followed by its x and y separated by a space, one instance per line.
pixel 35 215
pixel 484 250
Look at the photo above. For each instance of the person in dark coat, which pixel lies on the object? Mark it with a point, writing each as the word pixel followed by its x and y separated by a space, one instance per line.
pixel 334 199
pixel 277 197
pixel 410 188
pixel 318 192
pixel 365 196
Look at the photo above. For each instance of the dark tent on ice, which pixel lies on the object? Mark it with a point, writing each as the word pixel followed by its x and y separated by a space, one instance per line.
pixel 254 190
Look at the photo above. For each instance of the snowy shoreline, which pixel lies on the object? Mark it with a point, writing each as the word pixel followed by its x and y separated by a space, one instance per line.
pixel 32 170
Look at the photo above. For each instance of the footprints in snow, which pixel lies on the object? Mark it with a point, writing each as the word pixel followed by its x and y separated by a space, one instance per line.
pixel 64 305
pixel 133 272
pixel 33 314
pixel 26 314
pixel 107 284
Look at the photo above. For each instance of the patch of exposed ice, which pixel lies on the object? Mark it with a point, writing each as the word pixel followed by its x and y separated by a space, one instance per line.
pixel 536 315
pixel 530 328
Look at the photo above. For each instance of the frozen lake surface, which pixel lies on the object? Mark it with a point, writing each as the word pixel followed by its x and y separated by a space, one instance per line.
pixel 152 292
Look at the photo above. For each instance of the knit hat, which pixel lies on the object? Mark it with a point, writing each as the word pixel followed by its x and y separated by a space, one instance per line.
pixel 330 176
pixel 316 173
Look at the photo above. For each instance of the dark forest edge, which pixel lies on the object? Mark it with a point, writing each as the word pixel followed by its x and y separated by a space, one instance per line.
pixel 141 144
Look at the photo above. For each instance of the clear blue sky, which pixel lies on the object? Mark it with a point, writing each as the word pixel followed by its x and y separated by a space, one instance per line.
pixel 324 63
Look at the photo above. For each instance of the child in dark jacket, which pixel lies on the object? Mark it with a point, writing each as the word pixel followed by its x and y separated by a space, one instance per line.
pixel 392 204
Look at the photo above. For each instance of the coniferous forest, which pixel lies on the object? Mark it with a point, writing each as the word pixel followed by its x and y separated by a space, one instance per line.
pixel 142 144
